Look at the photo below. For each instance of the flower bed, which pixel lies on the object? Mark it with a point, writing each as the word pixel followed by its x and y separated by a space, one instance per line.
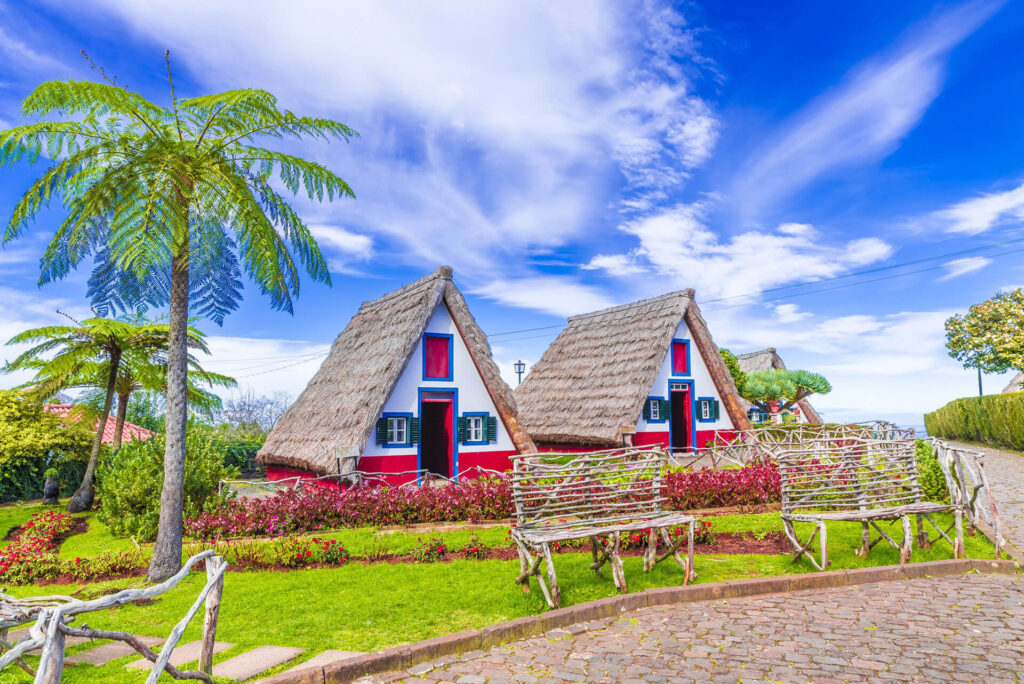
pixel 35 541
pixel 754 484
pixel 313 509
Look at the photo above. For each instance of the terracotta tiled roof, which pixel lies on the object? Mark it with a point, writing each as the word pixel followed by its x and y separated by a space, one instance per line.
pixel 130 433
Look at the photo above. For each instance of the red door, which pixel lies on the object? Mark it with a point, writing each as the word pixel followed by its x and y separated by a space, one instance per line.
pixel 436 432
pixel 681 418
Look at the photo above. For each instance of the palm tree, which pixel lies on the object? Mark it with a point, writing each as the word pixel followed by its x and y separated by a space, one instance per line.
pixel 77 351
pixel 144 370
pixel 154 185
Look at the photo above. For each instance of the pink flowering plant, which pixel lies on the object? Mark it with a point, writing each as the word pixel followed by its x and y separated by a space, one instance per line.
pixel 314 509
pixel 430 550
pixel 34 547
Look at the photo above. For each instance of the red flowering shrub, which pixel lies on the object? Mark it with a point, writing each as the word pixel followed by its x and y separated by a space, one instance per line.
pixel 331 551
pixel 751 485
pixel 474 548
pixel 292 552
pixel 312 509
pixel 34 547
pixel 431 550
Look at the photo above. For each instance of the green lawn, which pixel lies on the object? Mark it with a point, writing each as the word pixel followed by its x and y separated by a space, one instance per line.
pixel 364 607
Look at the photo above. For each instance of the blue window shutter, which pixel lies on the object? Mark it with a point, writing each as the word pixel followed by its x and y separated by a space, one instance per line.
pixel 382 431
pixel 492 429
pixel 414 431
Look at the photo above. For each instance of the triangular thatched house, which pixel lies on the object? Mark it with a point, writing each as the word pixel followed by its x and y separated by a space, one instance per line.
pixel 1016 384
pixel 646 372
pixel 767 359
pixel 409 385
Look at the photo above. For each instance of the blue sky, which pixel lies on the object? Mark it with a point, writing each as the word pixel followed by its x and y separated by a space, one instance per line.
pixel 784 159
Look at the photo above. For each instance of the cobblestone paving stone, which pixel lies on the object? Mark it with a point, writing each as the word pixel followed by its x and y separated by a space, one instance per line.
pixel 954 629
pixel 1005 472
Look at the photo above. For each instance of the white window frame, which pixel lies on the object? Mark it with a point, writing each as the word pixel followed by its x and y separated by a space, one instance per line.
pixel 398 430
pixel 475 429
pixel 705 409
pixel 654 409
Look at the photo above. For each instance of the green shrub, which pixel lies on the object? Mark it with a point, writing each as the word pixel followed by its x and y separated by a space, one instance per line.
pixel 929 473
pixel 130 483
pixel 32 441
pixel 996 419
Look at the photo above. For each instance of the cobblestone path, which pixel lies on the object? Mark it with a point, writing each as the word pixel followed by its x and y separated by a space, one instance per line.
pixel 964 629
pixel 1005 472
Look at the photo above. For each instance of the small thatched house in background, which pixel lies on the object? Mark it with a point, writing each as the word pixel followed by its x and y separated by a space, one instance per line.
pixel 408 385
pixel 649 368
pixel 768 359
pixel 1016 385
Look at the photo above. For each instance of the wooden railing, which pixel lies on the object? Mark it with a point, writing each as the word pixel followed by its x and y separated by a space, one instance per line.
pixel 50 616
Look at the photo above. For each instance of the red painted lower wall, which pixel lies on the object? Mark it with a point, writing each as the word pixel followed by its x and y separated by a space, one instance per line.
pixel 491 460
pixel 276 473
pixel 389 464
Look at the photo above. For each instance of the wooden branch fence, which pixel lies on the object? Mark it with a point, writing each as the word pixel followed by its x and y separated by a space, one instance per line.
pixel 50 616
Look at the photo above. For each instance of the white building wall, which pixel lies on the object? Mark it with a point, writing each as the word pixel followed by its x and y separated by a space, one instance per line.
pixel 472 393
pixel 703 387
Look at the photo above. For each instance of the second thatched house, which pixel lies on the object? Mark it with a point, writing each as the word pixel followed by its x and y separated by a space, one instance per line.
pixel 768 359
pixel 644 373
pixel 408 386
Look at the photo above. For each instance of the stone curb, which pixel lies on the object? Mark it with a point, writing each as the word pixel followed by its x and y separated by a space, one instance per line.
pixel 404 657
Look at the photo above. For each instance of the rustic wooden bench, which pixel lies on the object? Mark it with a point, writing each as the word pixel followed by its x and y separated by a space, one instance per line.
pixel 597 495
pixel 858 480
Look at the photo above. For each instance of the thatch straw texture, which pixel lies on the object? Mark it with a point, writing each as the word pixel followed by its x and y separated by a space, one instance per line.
pixel 768 359
pixel 596 375
pixel 337 411
pixel 1016 385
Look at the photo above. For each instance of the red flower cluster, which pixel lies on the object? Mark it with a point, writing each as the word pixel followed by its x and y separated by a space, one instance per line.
pixel 34 542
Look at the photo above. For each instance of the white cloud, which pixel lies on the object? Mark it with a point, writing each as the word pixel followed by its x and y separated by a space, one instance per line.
pixel 676 243
pixel 979 214
pixel 549 104
pixel 334 240
pixel 959 267
pixel 557 296
pixel 790 313
pixel 892 365
pixel 20 311
pixel 264 365
pixel 864 118
pixel 614 265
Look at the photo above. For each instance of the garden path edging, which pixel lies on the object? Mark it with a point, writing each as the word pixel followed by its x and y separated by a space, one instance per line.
pixel 404 657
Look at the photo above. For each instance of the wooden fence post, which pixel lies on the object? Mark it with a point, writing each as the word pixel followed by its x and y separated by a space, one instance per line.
pixel 53 667
pixel 213 565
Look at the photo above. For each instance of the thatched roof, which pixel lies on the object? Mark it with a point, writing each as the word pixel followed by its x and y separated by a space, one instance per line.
pixel 1016 385
pixel 767 359
pixel 337 411
pixel 595 377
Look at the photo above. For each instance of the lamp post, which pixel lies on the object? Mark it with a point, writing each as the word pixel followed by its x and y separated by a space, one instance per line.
pixel 520 367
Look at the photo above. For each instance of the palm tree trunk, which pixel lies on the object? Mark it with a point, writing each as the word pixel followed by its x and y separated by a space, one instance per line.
pixel 81 500
pixel 122 411
pixel 167 552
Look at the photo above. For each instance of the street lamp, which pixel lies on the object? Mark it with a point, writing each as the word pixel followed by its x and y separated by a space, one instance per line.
pixel 520 367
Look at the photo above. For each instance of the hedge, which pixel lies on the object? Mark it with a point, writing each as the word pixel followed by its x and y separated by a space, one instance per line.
pixel 997 419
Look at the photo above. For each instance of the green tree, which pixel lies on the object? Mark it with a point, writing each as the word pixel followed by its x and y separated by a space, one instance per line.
pixel 64 356
pixel 154 185
pixel 141 370
pixel 990 336
pixel 733 364
pixel 784 386
pixel 33 440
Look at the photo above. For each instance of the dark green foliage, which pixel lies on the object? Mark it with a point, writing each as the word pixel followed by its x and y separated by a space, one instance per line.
pixel 996 419
pixel 929 473
pixel 733 364
pixel 240 454
pixel 131 481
